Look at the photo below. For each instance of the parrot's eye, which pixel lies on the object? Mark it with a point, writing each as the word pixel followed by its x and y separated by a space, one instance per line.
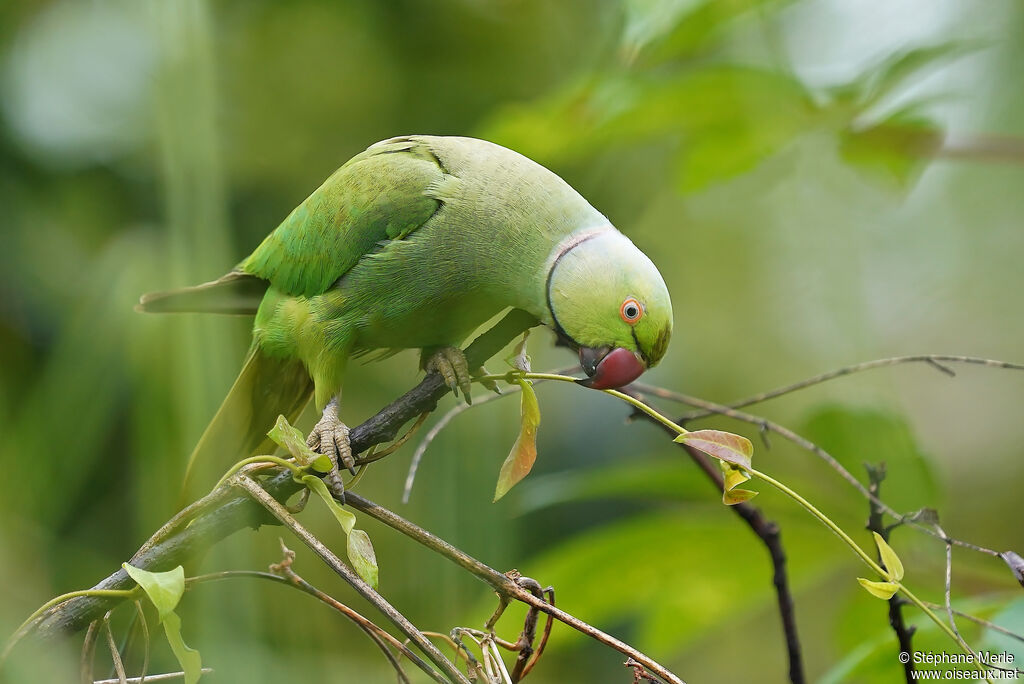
pixel 631 311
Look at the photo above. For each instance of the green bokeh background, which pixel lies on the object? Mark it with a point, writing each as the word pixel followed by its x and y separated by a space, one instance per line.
pixel 821 182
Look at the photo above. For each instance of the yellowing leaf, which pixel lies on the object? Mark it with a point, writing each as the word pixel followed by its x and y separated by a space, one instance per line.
pixel 520 460
pixel 189 658
pixel 164 589
pixel 882 590
pixel 732 497
pixel 362 557
pixel 892 562
pixel 345 518
pixel 293 441
pixel 724 446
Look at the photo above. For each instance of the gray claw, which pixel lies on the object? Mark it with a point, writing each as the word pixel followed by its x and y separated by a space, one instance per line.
pixel 330 438
pixel 451 364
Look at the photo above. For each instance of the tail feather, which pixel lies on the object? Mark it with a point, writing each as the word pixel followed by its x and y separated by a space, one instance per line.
pixel 265 388
pixel 234 293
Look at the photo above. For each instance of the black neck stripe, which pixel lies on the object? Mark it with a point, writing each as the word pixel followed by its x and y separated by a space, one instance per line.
pixel 566 247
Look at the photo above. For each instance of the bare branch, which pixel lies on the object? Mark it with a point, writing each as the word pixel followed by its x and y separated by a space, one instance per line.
pixel 500 582
pixel 934 360
pixel 806 444
pixel 342 570
pixel 165 677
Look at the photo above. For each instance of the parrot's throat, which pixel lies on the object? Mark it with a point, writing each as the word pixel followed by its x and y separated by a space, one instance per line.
pixel 563 248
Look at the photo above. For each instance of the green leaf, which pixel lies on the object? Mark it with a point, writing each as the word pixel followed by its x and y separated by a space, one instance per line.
pixel 888 75
pixel 892 562
pixel 882 590
pixel 724 446
pixel 294 442
pixel 189 658
pixel 360 550
pixel 894 151
pixel 345 518
pixel 364 560
pixel 164 589
pixel 520 460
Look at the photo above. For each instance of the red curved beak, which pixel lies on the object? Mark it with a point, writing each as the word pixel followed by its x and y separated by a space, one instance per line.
pixel 610 369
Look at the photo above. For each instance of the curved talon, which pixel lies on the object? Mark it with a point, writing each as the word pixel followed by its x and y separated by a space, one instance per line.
pixel 451 363
pixel 330 438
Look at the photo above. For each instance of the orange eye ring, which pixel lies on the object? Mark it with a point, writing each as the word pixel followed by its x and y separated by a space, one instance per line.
pixel 631 310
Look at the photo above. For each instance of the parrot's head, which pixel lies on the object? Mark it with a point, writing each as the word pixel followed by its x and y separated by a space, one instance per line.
pixel 609 302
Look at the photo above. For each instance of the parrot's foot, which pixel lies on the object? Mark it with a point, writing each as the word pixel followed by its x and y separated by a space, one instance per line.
pixel 330 438
pixel 450 362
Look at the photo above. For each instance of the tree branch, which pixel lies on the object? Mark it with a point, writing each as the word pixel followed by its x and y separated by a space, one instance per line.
pixel 223 512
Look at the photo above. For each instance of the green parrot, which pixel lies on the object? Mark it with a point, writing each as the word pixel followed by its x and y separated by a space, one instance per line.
pixel 414 243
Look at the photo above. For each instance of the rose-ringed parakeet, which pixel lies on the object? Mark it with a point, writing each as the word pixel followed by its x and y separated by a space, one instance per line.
pixel 414 243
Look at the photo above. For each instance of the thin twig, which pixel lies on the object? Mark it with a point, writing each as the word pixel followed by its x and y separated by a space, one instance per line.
pixel 165 677
pixel 771 536
pixel 85 664
pixel 934 360
pixel 145 637
pixel 499 582
pixel 114 655
pixel 342 570
pixel 979 621
pixel 324 598
pixel 372 630
pixel 807 445
pixel 904 634
pixel 443 421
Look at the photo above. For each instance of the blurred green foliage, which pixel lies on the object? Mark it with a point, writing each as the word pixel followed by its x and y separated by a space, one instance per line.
pixel 783 162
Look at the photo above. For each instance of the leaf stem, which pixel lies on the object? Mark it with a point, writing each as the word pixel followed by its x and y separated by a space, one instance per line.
pixel 514 375
pixel 296 470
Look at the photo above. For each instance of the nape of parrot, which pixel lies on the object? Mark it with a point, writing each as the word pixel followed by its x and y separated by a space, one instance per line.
pixel 414 243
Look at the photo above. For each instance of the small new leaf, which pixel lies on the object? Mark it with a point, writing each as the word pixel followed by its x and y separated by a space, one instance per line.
pixel 362 557
pixel 164 589
pixel 189 658
pixel 520 460
pixel 345 518
pixel 882 590
pixel 732 477
pixel 735 496
pixel 293 441
pixel 892 562
pixel 724 446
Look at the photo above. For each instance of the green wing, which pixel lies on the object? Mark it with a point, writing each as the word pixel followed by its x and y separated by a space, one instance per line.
pixel 378 195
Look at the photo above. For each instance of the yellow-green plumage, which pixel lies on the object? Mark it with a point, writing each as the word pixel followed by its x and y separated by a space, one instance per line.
pixel 413 244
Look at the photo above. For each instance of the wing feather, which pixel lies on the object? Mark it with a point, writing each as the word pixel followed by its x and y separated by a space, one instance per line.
pixel 376 196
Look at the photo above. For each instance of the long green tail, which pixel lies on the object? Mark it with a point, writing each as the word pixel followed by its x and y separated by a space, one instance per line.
pixel 265 388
